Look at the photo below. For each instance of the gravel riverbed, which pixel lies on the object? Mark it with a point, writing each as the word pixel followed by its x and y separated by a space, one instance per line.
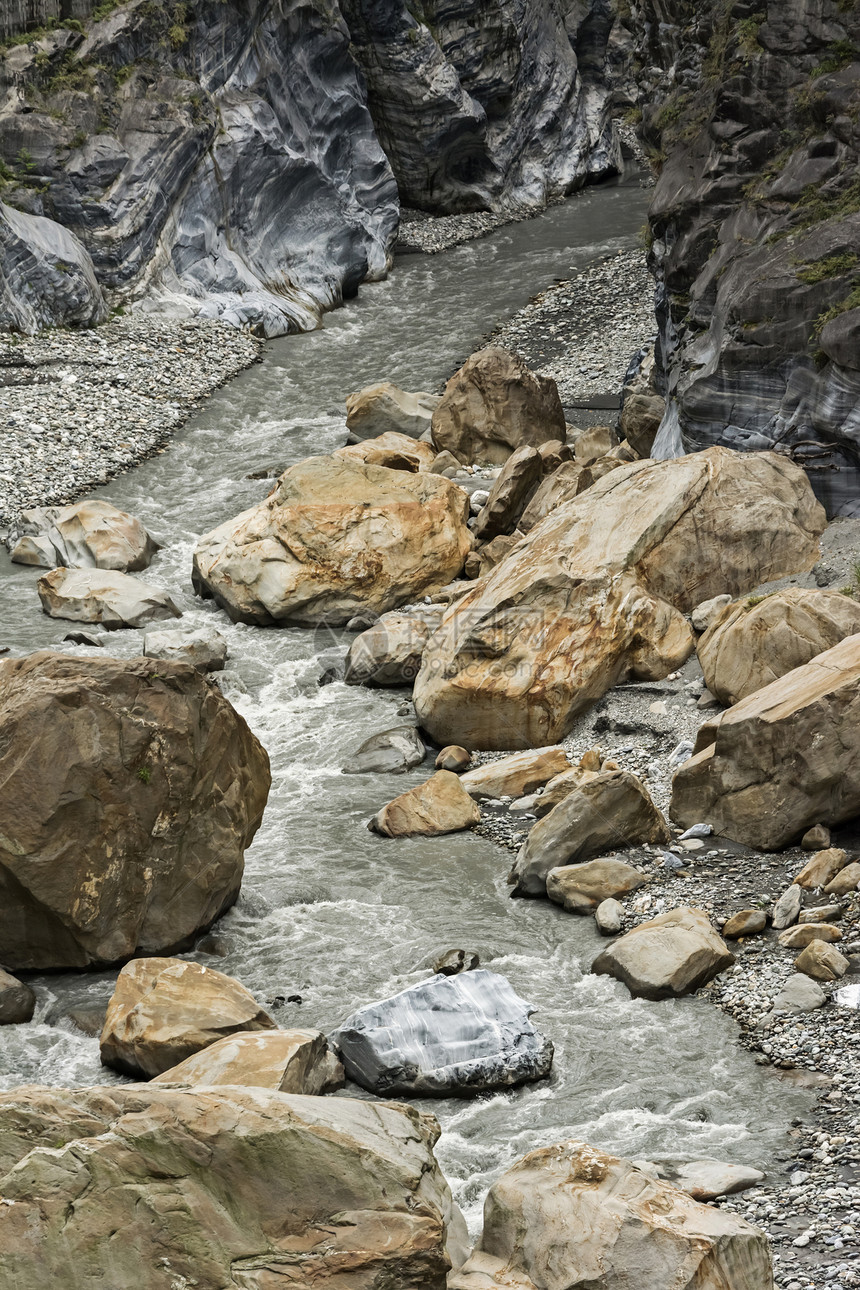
pixel 78 408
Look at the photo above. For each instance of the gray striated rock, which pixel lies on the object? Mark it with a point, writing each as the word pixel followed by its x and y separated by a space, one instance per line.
pixel 446 1037
pixel 103 596
pixel 46 276
pixel 395 751
pixel 205 648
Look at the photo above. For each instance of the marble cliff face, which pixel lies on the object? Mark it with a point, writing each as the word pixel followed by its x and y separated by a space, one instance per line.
pixel 245 158
pixel 752 119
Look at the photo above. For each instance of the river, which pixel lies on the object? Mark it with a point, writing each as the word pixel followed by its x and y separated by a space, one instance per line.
pixel 329 911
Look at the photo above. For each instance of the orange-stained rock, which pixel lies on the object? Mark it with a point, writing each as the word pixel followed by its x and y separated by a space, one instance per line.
pixel 441 805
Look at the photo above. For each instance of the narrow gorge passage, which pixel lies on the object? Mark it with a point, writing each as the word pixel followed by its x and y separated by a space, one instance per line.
pixel 328 911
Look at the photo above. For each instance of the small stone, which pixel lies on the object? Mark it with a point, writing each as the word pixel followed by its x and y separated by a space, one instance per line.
pixel 822 961
pixel 787 908
pixel 816 839
pixel 822 868
pixel 707 700
pixel 847 880
pixel 799 994
pixel 609 917
pixel 453 758
pixel 823 914
pixel 452 962
pixel 708 612
pixel 747 922
pixel 797 938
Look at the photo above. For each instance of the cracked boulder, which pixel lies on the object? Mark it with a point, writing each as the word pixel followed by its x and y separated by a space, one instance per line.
pixel 131 789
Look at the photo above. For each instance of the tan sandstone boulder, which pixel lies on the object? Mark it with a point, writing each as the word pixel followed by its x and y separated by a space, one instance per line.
pixel 747 922
pixel 152 1188
pixel 392 450
pixel 441 805
pixel 162 1011
pixel 518 479
pixel 290 1061
pixel 131 789
pixel 822 961
pixel 103 596
pixel 756 641
pixel 385 408
pixel 389 652
pixel 580 888
pixel 822 868
pixel 797 938
pixel 610 810
pixel 91 534
pixel 846 880
pixel 596 593
pixel 513 776
pixel 493 405
pixel 335 537
pixel 673 954
pixel 780 760
pixel 571 1217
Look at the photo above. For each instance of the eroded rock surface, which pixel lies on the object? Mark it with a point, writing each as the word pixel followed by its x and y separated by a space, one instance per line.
pixel 131 790
pixel 672 954
pixel 290 1061
pixel 91 534
pixel 103 596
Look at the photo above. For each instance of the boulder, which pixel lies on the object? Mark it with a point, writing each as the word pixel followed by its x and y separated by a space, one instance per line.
pixel 673 954
pixel 452 962
pixel 707 613
pixel 612 809
pixel 563 484
pixel 596 593
pixel 821 869
pixel 787 908
pixel 389 652
pixel 847 880
pixel 394 451
pixel 821 914
pixel 754 642
pixel 488 554
pixel 747 922
pixel 335 538
pixel 518 479
pixel 816 839
pixel 782 759
pixel 205 648
pixel 164 1010
pixel 797 938
pixel 493 405
pixel 580 888
pixel 822 961
pixel 441 805
pixel 49 279
pixel 594 443
pixel 88 535
pixel 390 752
pixel 130 792
pixel 705 1180
pixel 561 786
pixel 446 463
pixel 609 917
pixel 573 1217
pixel 383 408
pixel 640 420
pixel 157 1188
pixel 103 596
pixel 290 1061
pixel 799 994
pixel 450 1036
pixel 17 1000
pixel 453 758
pixel 552 455
pixel 513 776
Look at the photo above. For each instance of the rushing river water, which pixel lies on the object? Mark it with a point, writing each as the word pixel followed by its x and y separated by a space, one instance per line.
pixel 336 914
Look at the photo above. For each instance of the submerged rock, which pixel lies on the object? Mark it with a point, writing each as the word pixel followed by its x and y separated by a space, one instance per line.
pixel 221 1167
pixel 573 1216
pixel 165 1010
pixel 291 1061
pixel 97 596
pixel 446 1037
pixel 596 593
pixel 88 535
pixel 392 751
pixel 335 538
pixel 130 792
pixel 784 758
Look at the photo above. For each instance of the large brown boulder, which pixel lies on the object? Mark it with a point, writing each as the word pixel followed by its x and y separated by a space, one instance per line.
pixel 157 1188
pixel 608 810
pixel 756 641
pixel 335 537
pixel 103 596
pixel 673 954
pixel 596 593
pixel 91 534
pixel 518 479
pixel 493 405
pixel 786 757
pixel 385 408
pixel 389 652
pixel 570 1216
pixel 440 805
pixel 580 888
pixel 395 451
pixel 291 1061
pixel 513 776
pixel 131 789
pixel 162 1011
